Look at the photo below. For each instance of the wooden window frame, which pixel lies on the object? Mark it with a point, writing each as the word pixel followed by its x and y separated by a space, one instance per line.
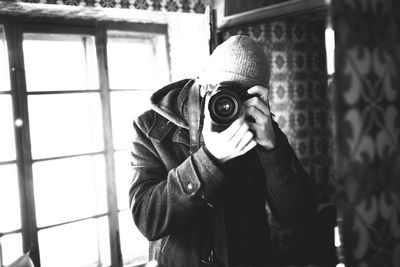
pixel 14 29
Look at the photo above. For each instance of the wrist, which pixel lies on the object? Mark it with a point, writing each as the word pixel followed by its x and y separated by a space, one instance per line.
pixel 212 156
pixel 268 146
pixel 270 143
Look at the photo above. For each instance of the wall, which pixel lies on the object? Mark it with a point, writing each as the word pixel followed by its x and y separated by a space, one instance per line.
pixel 367 104
pixel 300 97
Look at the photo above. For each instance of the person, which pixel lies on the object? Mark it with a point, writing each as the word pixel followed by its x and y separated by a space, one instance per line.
pixel 235 196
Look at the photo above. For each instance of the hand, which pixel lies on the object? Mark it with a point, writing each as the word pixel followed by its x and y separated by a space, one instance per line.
pixel 234 141
pixel 258 109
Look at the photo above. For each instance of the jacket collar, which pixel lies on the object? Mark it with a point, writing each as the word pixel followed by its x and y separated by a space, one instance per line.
pixel 170 106
pixel 170 102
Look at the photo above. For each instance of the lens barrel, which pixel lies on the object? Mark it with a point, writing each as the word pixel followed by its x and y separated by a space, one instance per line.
pixel 225 105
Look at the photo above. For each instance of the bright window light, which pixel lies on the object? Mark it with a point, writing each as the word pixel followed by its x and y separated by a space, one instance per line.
pixel 11 247
pixel 134 246
pixel 84 243
pixel 337 237
pixel 136 61
pixel 9 199
pixel 7 139
pixel 330 50
pixel 123 174
pixel 125 106
pixel 65 124
pixel 4 69
pixel 55 62
pixel 56 180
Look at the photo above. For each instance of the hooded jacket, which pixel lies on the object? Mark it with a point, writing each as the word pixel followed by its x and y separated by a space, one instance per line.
pixel 196 212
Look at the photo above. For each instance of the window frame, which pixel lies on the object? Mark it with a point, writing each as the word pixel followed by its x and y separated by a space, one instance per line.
pixel 14 29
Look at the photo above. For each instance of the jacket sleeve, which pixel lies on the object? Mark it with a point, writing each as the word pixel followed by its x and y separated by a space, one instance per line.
pixel 162 200
pixel 291 193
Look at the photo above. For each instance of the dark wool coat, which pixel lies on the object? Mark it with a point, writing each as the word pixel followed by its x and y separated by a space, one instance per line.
pixel 179 201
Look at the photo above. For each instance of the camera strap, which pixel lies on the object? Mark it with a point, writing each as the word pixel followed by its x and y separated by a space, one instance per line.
pixel 194 108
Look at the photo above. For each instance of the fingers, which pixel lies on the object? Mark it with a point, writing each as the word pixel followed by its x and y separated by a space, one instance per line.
pixel 260 91
pixel 236 140
pixel 259 117
pixel 207 119
pixel 248 147
pixel 247 138
pixel 258 104
pixel 243 140
pixel 242 132
pixel 257 128
pixel 207 123
pixel 263 134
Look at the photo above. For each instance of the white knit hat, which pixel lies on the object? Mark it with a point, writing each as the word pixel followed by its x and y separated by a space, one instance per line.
pixel 239 59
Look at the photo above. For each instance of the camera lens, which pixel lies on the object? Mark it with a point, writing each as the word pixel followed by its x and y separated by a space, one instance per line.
pixel 224 107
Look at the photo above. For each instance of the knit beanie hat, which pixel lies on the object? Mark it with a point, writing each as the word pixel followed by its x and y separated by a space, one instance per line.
pixel 239 59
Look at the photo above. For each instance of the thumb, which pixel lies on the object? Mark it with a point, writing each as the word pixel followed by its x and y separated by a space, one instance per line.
pixel 206 124
pixel 206 118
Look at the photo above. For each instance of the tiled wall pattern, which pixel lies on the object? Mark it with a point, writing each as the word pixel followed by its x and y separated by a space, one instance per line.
pixel 367 100
pixel 188 6
pixel 299 95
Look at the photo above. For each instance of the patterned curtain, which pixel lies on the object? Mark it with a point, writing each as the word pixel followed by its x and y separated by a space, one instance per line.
pixel 367 100
pixel 300 96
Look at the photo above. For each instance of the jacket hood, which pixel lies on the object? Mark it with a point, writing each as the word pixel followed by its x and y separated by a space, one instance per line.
pixel 170 102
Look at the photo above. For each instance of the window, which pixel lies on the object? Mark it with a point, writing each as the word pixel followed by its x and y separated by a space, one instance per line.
pixel 65 122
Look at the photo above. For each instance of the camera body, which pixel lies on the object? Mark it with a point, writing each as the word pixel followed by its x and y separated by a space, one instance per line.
pixel 225 104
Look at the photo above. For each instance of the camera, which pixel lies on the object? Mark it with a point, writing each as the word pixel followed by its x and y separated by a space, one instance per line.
pixel 225 104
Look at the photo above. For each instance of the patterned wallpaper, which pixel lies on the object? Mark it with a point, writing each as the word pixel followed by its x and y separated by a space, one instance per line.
pixel 188 6
pixel 300 97
pixel 367 101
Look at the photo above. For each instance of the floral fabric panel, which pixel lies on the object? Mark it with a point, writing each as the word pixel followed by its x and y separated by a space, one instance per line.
pixel 368 129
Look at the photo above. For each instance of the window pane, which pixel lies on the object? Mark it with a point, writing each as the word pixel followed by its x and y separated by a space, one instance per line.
pixel 69 189
pixel 65 124
pixel 9 199
pixel 4 67
pixel 134 245
pixel 11 246
pixel 60 62
pixel 76 244
pixel 7 141
pixel 123 174
pixel 136 61
pixel 125 106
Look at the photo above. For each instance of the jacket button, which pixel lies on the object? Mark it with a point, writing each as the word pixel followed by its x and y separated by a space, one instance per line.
pixel 190 186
